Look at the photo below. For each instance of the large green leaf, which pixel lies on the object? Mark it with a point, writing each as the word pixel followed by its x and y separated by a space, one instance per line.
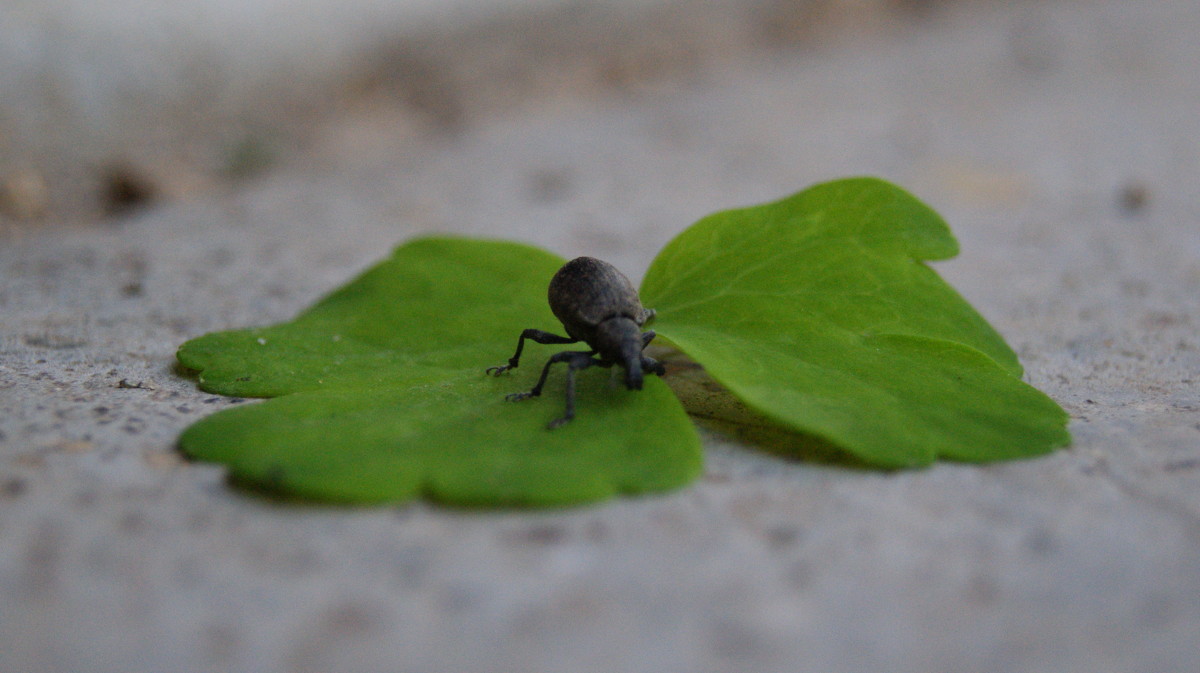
pixel 818 312
pixel 381 394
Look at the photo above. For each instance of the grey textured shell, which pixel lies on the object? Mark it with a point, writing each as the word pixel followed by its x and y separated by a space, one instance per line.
pixel 586 291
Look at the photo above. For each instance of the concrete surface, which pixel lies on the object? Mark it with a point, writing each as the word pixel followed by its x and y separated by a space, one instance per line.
pixel 1059 138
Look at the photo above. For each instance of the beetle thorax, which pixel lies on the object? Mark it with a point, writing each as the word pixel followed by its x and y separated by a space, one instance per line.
pixel 586 291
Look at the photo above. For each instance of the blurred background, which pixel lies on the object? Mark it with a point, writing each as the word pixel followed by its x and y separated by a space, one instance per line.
pixel 113 105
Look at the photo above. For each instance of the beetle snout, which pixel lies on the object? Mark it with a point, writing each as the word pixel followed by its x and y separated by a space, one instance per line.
pixel 633 379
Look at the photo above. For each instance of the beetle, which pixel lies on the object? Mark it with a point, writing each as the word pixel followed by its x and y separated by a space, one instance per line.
pixel 599 306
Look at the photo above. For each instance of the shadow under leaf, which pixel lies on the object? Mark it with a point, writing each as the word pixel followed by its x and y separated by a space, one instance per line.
pixel 715 408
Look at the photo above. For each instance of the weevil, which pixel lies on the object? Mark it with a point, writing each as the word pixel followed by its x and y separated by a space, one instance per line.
pixel 599 306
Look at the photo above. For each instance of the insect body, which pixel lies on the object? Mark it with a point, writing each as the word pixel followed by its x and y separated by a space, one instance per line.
pixel 597 305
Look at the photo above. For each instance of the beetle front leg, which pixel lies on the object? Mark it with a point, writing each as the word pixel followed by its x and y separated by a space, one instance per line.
pixel 649 364
pixel 536 335
pixel 580 361
pixel 565 356
pixel 575 360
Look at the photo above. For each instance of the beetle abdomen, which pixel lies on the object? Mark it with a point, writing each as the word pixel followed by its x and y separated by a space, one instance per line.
pixel 587 291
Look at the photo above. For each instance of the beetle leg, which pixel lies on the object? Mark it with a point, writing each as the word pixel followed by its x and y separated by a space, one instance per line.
pixel 536 335
pixel 565 356
pixel 576 362
pixel 649 364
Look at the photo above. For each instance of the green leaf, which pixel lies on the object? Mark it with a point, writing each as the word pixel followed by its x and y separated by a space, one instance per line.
pixel 382 397
pixel 818 312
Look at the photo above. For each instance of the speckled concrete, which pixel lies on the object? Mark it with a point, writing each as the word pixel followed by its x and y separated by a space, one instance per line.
pixel 1061 141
